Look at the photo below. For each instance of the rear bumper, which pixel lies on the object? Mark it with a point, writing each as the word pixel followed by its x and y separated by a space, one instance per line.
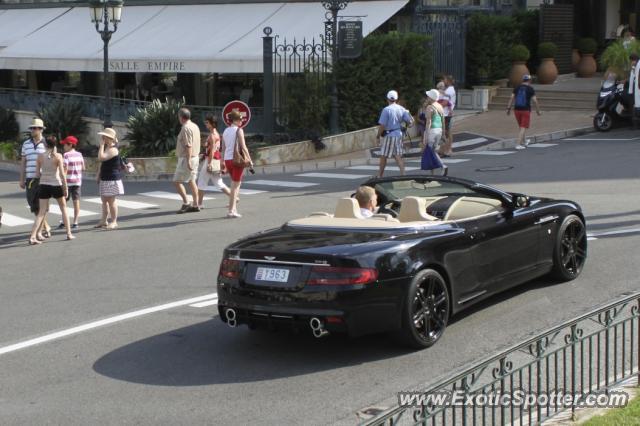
pixel 356 312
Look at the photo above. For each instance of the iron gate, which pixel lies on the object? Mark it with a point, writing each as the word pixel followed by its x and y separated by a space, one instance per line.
pixel 293 69
pixel 447 27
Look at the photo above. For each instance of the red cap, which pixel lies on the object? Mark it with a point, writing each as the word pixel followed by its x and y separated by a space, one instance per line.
pixel 71 140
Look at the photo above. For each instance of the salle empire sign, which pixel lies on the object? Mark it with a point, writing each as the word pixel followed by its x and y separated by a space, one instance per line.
pixel 147 66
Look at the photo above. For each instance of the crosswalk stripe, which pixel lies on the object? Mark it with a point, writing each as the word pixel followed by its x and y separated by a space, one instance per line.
pixel 205 303
pixel 468 142
pixel 490 153
pixel 135 205
pixel 11 220
pixel 55 209
pixel 542 145
pixel 279 183
pixel 167 195
pixel 333 175
pixel 445 160
pixel 391 168
pixel 242 191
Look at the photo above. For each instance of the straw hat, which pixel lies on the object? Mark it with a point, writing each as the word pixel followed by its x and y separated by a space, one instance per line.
pixel 37 122
pixel 110 133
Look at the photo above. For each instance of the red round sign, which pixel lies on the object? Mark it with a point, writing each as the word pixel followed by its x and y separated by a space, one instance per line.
pixel 239 106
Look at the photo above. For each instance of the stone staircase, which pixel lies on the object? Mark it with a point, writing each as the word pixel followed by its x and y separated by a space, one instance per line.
pixel 551 100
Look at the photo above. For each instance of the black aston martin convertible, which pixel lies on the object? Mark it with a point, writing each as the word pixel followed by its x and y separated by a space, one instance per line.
pixel 436 246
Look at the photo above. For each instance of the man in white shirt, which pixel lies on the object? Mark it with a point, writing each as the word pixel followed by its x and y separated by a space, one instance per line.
pixel 367 200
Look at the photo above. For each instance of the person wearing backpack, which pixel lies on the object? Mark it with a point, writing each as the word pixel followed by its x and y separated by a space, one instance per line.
pixel 521 99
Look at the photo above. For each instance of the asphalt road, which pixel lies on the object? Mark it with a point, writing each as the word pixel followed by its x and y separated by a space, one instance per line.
pixel 178 364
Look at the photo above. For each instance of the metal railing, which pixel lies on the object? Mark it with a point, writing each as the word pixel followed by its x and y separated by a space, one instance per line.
pixel 32 100
pixel 585 356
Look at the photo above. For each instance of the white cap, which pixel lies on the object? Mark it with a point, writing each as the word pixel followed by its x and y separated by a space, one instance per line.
pixel 433 94
pixel 392 95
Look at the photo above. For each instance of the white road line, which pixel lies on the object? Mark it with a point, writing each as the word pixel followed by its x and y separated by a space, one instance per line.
pixel 542 145
pixel 167 195
pixel 468 142
pixel 284 183
pixel 100 323
pixel 490 153
pixel 11 220
pixel 135 205
pixel 333 176
pixel 205 303
pixel 242 190
pixel 617 232
pixel 599 139
pixel 591 238
pixel 445 160
pixel 391 168
pixel 55 209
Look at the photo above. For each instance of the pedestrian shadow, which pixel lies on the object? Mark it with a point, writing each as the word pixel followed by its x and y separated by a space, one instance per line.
pixel 213 353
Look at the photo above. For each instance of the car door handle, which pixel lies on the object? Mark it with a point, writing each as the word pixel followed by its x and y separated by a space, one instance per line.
pixel 546 219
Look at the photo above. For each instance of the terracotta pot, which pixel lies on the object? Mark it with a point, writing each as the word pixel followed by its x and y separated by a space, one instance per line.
pixel 547 71
pixel 575 59
pixel 587 66
pixel 518 69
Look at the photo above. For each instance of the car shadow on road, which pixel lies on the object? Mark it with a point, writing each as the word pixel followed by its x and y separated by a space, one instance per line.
pixel 213 353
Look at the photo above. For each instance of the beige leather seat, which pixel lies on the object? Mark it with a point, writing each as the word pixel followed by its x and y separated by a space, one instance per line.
pixel 465 207
pixel 348 208
pixel 414 209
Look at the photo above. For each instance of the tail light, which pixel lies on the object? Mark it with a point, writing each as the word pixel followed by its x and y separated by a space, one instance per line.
pixel 230 268
pixel 329 275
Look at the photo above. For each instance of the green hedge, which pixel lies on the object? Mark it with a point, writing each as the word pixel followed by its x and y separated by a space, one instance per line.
pixel 401 62
pixel 9 128
pixel 153 130
pixel 63 118
pixel 489 42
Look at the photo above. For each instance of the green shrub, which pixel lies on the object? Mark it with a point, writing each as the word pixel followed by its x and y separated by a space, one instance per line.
pixel 9 128
pixel 616 57
pixel 9 150
pixel 587 45
pixel 488 46
pixel 306 112
pixel 520 53
pixel 529 27
pixel 64 117
pixel 405 66
pixel 153 130
pixel 547 50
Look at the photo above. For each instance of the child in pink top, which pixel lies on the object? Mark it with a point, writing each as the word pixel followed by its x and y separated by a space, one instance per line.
pixel 73 167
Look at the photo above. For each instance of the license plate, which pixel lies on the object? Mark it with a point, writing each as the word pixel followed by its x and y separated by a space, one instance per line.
pixel 272 274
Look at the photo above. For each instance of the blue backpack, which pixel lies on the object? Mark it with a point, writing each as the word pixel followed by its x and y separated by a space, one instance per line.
pixel 521 98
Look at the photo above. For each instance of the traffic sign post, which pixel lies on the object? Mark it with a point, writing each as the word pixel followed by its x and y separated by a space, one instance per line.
pixel 239 106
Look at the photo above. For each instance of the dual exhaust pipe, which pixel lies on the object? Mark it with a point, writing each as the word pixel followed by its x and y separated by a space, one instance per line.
pixel 231 317
pixel 317 326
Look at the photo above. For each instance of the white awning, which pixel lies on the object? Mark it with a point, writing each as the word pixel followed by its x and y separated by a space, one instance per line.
pixel 223 38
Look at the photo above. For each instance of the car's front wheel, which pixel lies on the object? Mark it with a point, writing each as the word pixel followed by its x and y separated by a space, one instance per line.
pixel 426 310
pixel 570 251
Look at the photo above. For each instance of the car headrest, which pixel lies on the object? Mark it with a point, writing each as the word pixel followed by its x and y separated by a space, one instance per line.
pixel 348 208
pixel 414 209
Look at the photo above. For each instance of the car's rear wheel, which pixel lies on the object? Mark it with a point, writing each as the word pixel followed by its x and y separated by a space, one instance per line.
pixel 426 310
pixel 570 251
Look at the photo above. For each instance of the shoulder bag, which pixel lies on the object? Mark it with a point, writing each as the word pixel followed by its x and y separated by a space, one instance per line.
pixel 241 157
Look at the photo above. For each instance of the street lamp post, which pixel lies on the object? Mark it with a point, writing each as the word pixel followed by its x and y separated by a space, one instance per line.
pixel 334 6
pixel 108 13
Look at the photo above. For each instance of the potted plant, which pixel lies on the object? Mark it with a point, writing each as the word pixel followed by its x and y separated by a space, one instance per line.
pixel 547 71
pixel 519 57
pixel 615 58
pixel 587 66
